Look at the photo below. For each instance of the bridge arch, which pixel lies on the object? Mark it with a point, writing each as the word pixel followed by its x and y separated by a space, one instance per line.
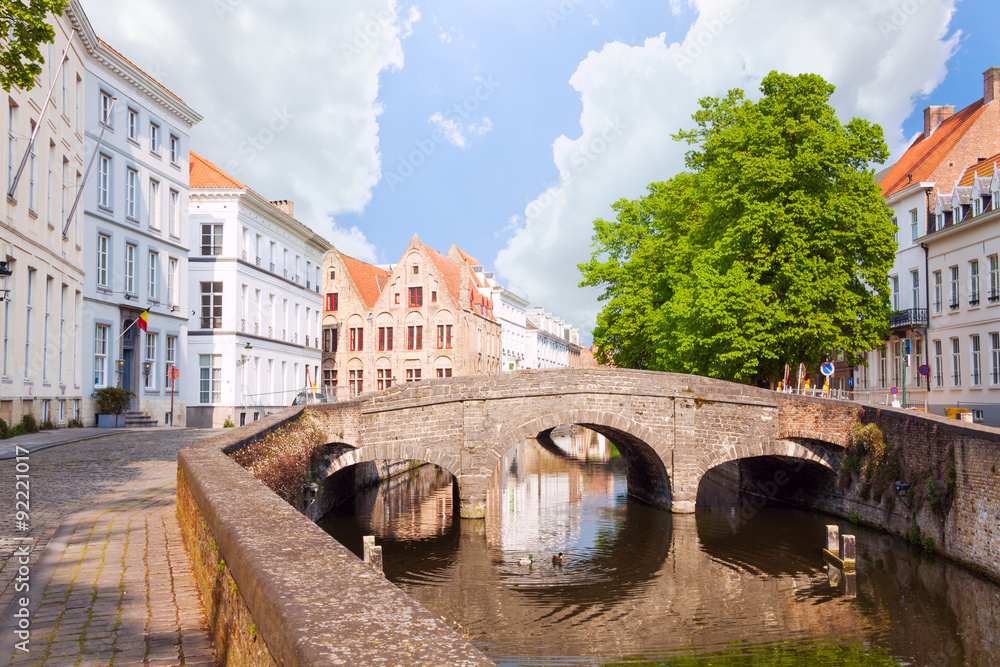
pixel 809 450
pixel 643 450
pixel 395 452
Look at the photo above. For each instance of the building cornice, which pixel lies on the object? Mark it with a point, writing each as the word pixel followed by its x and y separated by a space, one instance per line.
pixel 953 230
pixel 908 191
pixel 257 204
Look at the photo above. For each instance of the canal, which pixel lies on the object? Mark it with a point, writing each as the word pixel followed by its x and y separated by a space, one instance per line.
pixel 641 586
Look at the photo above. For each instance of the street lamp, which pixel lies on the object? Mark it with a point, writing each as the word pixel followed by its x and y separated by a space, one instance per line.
pixel 147 366
pixel 246 354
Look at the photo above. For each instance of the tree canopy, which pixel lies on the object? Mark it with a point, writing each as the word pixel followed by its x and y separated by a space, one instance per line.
pixel 23 27
pixel 773 247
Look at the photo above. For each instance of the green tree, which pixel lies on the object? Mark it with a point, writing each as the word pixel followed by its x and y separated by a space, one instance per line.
pixel 23 27
pixel 774 247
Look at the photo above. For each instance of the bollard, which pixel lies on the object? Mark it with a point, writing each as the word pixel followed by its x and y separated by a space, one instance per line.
pixel 376 560
pixel 832 538
pixel 848 549
pixel 369 544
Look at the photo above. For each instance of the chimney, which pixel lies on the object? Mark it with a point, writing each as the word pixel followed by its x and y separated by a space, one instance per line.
pixel 934 116
pixel 285 206
pixel 991 84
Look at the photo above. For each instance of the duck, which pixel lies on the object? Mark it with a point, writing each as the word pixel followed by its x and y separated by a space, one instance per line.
pixel 526 561
pixel 557 559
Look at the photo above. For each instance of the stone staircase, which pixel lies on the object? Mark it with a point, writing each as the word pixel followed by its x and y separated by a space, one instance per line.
pixel 138 420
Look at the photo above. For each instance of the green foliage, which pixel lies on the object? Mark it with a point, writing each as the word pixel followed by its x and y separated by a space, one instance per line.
pixel 29 423
pixel 23 26
pixel 74 423
pixel 228 423
pixel 854 517
pixel 927 544
pixel 774 247
pixel 112 400
pixel 282 458
pixel 913 534
pixel 47 425
pixel 870 459
pixel 4 430
pixel 933 493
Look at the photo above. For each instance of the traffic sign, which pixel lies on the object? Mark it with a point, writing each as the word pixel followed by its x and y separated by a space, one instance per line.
pixel 850 382
pixel 894 390
pixel 173 372
pixel 827 369
pixel 787 371
pixel 925 369
pixel 802 371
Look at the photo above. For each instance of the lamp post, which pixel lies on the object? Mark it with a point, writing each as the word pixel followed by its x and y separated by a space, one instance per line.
pixel 241 363
pixel 120 370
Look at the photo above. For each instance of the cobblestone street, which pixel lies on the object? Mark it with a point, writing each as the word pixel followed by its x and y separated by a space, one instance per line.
pixel 109 574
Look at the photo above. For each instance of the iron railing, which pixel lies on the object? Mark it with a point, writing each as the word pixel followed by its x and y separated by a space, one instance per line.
pixel 912 317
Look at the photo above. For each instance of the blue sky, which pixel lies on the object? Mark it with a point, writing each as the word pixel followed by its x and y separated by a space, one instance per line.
pixel 507 126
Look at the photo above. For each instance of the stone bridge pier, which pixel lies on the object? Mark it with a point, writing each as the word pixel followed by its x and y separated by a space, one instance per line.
pixel 670 429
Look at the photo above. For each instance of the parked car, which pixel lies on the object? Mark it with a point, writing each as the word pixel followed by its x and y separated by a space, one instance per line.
pixel 309 397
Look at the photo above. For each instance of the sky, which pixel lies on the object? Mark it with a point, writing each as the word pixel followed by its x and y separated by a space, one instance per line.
pixel 506 127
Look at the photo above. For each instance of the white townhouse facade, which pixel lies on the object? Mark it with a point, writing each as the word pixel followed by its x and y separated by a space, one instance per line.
pixel 964 263
pixel 135 235
pixel 42 275
pixel 548 340
pixel 255 279
pixel 514 338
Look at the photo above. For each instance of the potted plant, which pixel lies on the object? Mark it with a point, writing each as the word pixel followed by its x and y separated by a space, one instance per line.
pixel 111 403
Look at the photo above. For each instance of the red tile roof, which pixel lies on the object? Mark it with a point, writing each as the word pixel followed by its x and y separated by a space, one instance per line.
pixel 926 153
pixel 982 169
pixel 370 280
pixel 160 85
pixel 451 273
pixel 204 174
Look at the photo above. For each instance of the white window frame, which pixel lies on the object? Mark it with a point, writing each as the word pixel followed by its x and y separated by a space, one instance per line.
pixel 209 379
pixel 154 138
pixel 149 381
pixel 938 365
pixel 128 273
pixel 103 249
pixel 974 282
pixel 915 285
pixel 101 332
pixel 995 359
pixel 152 268
pixel 975 355
pixel 133 125
pixel 956 363
pixel 104 172
pixel 169 361
pixel 105 116
pixel 173 212
pixel 175 149
pixel 954 302
pixel 172 280
pixel 154 204
pixel 131 186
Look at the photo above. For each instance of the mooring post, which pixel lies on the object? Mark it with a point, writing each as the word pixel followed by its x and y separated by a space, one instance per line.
pixel 848 549
pixel 832 538
pixel 369 544
pixel 376 560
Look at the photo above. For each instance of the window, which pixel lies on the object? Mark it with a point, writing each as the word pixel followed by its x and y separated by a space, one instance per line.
pixel 883 367
pixel 154 138
pixel 133 124
pixel 357 382
pixel 954 288
pixel 384 378
pixel 5 370
pixel 397 299
pixel 101 355
pixel 995 359
pixel 994 278
pixel 175 150
pixel 173 212
pixel 938 365
pixel 895 230
pixel 154 260
pixel 956 363
pixel 31 175
pixel 330 335
pixel 357 339
pixel 416 269
pixel 915 281
pixel 434 296
pixel 444 336
pixel 416 297
pixel 149 381
pixel 974 282
pixel 977 368
pixel 918 349
pixel 172 281
pixel 210 378
pixel 914 232
pixel 413 375
pixel 169 362
pixel 102 260
pixel 211 240
pixel 154 206
pixel 385 339
pixel 897 363
pixel 45 328
pixel 332 301
pixel 938 292
pixel 211 306
pixel 106 118
pixel 894 280
pixel 415 338
pixel 129 268
pixel 444 372
pixel 11 143
pixel 131 182
pixel 330 381
pixel 333 274
pixel 104 181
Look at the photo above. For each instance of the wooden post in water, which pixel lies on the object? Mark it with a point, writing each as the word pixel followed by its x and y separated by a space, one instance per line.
pixel 369 544
pixel 376 560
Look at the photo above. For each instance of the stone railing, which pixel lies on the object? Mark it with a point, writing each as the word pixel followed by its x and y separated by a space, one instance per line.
pixel 279 590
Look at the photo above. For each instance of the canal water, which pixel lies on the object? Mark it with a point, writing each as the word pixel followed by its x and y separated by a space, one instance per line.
pixel 641 586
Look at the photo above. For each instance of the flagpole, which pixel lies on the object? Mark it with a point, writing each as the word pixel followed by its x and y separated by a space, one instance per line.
pixel 134 322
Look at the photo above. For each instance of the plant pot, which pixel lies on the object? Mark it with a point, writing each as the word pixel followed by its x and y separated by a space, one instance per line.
pixel 110 421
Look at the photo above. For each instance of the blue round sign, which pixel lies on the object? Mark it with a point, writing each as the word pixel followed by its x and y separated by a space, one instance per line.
pixel 894 390
pixel 826 369
pixel 924 369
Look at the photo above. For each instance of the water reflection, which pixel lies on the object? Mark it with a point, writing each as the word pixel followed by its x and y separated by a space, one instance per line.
pixel 641 586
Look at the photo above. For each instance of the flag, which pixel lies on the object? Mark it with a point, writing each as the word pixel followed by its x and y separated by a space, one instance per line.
pixel 143 319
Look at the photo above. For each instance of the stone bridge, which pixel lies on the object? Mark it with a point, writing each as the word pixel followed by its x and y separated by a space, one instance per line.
pixel 670 428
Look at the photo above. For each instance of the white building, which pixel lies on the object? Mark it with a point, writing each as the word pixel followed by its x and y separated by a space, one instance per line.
pixel 964 334
pixel 254 274
pixel 548 340
pixel 41 283
pixel 514 339
pixel 135 234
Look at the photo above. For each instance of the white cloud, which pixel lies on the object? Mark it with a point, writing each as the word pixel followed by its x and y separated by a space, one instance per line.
pixel 240 63
pixel 450 128
pixel 634 97
pixel 484 126
pixel 352 242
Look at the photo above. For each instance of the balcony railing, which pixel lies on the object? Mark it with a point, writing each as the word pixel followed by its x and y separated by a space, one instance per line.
pixel 954 304
pixel 994 296
pixel 913 317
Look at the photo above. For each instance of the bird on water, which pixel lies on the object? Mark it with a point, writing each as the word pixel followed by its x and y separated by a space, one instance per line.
pixel 526 561
pixel 557 559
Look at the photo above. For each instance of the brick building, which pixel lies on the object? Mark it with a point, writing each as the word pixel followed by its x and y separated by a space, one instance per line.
pixel 430 315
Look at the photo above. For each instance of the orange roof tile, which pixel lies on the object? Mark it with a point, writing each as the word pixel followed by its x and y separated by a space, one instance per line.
pixel 160 85
pixel 204 174
pixel 926 153
pixel 982 169
pixel 370 280
pixel 449 271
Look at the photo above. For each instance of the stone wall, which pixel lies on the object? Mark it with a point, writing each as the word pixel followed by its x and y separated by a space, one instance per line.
pixel 278 590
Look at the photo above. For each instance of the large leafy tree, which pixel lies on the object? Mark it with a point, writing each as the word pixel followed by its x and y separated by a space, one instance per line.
pixel 23 27
pixel 774 246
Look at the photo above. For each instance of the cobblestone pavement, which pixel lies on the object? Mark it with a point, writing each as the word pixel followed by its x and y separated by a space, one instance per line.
pixel 111 583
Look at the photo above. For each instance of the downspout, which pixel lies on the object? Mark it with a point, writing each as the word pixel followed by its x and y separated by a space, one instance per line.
pixel 927 290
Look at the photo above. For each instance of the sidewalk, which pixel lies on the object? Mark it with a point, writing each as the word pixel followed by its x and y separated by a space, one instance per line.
pixel 110 580
pixel 64 436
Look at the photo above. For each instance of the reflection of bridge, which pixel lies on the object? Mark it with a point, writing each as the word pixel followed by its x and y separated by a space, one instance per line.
pixel 669 428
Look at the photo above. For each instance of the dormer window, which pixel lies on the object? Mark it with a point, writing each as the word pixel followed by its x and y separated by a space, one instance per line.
pixel 975 206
